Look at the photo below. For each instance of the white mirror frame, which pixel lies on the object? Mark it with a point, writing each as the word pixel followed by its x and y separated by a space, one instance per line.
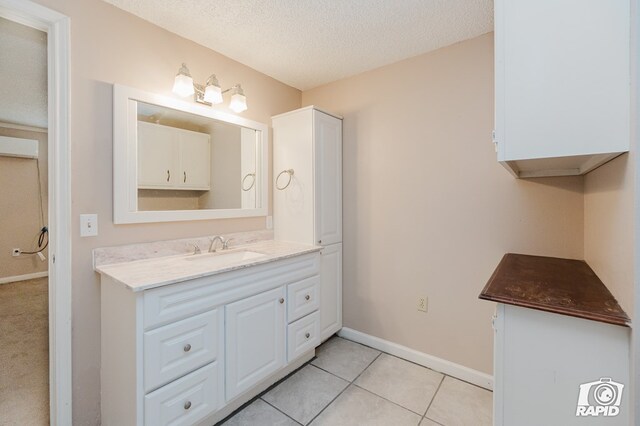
pixel 125 159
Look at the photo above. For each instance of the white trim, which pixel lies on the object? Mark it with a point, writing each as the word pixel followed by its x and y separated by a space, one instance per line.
pixel 449 368
pixel 310 107
pixel 25 277
pixel 21 127
pixel 57 27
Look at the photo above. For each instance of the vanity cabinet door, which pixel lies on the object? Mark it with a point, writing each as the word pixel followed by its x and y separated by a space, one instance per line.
pixel 195 161
pixel 255 346
pixel 157 156
pixel 328 178
pixel 330 290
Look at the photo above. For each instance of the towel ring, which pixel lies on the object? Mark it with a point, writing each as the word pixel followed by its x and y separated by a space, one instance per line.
pixel 253 182
pixel 290 173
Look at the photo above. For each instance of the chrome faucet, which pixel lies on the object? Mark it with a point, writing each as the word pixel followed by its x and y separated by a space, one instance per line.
pixel 225 243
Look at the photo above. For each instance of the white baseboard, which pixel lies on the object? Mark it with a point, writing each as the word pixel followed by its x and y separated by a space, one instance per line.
pixel 449 368
pixel 24 277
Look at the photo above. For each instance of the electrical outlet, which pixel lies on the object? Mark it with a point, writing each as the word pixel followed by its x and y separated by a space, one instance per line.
pixel 423 303
pixel 16 252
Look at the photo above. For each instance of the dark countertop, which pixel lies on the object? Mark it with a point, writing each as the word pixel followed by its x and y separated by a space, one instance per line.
pixel 562 286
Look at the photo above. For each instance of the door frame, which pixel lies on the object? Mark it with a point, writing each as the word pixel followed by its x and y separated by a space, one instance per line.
pixel 56 25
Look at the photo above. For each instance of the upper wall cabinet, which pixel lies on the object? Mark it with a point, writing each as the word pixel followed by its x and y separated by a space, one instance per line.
pixel 562 84
pixel 172 158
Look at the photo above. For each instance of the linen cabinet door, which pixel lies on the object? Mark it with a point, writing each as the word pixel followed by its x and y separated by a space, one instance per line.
pixel 328 178
pixel 255 345
pixel 331 290
pixel 195 161
pixel 157 156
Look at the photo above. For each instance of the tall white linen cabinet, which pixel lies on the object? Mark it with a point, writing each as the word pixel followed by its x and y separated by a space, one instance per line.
pixel 307 199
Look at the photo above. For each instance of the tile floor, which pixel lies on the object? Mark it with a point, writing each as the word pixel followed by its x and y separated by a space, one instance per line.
pixel 351 384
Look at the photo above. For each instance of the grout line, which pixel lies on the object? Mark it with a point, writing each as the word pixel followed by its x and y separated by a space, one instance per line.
pixel 343 390
pixel 388 400
pixel 434 397
pixel 268 403
pixel 431 420
pixel 334 375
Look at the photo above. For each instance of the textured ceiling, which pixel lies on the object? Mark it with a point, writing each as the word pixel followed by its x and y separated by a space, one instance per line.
pixel 307 43
pixel 23 67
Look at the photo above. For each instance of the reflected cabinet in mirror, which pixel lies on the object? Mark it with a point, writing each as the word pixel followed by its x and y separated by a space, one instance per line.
pixel 174 160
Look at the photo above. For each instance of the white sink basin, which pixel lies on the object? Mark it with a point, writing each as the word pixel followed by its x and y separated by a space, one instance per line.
pixel 220 259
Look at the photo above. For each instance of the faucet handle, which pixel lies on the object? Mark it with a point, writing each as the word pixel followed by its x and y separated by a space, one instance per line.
pixel 196 248
pixel 225 243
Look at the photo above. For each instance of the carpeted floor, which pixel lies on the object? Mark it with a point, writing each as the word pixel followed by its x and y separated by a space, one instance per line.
pixel 24 353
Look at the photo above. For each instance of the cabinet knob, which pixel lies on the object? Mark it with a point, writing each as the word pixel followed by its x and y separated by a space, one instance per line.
pixel 281 300
pixel 307 335
pixel 187 347
pixel 319 241
pixel 307 297
pixel 187 405
pixel 168 175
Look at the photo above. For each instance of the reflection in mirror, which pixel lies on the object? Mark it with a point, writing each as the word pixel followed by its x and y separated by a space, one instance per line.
pixel 192 162
pixel 175 160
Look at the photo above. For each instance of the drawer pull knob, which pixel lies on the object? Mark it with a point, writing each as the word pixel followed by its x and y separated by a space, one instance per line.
pixel 307 335
pixel 187 405
pixel 281 300
pixel 307 297
pixel 187 347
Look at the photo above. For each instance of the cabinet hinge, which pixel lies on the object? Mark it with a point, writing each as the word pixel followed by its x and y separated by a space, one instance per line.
pixel 495 141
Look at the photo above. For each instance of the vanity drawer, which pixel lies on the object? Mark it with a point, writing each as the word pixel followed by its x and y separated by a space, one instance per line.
pixel 173 350
pixel 303 298
pixel 303 335
pixel 185 401
pixel 169 303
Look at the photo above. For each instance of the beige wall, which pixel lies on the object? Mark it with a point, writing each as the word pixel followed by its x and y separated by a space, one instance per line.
pixel 20 221
pixel 609 219
pixel 107 46
pixel 427 208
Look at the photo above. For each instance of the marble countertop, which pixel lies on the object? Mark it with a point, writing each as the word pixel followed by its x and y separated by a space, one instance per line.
pixel 144 274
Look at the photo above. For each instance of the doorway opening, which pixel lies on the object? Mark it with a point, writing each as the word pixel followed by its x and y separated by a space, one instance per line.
pixel 24 270
pixel 35 212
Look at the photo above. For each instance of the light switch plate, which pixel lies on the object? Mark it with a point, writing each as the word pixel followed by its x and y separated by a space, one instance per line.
pixel 88 225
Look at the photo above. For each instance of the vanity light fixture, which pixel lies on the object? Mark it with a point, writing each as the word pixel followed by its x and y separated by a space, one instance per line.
pixel 209 94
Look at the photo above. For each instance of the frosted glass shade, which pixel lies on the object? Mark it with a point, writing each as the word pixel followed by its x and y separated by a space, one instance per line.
pixel 238 102
pixel 183 85
pixel 213 94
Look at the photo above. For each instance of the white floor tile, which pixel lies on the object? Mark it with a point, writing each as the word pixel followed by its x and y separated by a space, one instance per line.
pixel 344 358
pixel 303 395
pixel 356 407
pixel 407 384
pixel 461 404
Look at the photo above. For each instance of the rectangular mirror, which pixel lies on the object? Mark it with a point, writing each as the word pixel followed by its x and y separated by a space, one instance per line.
pixel 175 160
